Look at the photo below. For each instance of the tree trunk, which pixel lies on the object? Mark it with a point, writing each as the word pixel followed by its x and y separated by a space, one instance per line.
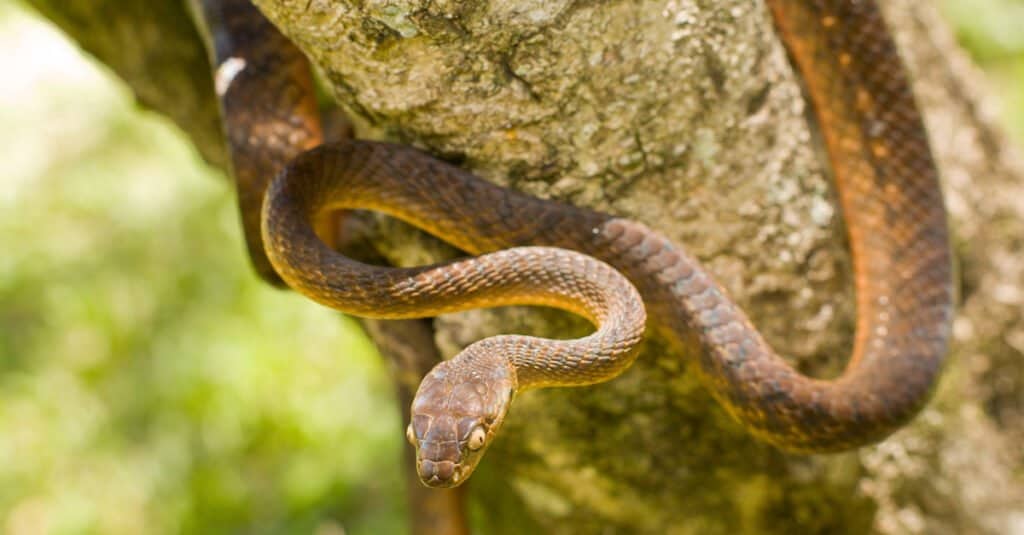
pixel 685 115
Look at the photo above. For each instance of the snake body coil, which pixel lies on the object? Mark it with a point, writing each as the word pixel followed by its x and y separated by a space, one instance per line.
pixel 887 187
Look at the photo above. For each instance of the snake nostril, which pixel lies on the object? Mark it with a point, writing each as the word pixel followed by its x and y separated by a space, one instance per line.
pixel 436 472
pixel 445 470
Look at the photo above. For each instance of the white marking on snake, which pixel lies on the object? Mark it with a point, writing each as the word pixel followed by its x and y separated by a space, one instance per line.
pixel 226 73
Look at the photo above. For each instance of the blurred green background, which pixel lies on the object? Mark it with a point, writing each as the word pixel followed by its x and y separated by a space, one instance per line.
pixel 148 382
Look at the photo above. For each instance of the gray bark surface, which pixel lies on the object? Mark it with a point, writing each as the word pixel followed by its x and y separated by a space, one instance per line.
pixel 686 115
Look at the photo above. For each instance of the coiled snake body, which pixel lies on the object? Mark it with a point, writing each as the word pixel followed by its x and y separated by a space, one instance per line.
pixel 887 187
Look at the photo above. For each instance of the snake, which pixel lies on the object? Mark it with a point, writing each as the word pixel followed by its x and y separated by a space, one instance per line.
pixel 606 268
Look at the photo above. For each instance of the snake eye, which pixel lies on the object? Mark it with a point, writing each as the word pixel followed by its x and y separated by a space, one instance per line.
pixel 477 438
pixel 410 435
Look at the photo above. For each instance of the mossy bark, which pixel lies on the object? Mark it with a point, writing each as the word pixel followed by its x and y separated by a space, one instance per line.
pixel 686 115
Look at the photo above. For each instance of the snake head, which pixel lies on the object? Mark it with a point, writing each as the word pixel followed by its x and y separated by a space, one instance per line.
pixel 457 410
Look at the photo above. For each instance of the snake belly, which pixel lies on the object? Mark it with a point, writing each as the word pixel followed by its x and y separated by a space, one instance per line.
pixel 888 190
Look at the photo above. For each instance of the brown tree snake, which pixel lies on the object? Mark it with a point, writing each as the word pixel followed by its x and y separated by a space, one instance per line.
pixel 887 187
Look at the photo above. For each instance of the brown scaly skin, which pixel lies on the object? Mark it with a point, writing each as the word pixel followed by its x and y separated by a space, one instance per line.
pixel 268 106
pixel 888 190
pixel 471 392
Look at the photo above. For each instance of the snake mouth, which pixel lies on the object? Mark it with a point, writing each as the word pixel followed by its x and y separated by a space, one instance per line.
pixel 441 474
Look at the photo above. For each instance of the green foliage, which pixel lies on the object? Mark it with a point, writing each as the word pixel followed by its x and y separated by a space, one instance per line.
pixel 148 382
pixel 993 31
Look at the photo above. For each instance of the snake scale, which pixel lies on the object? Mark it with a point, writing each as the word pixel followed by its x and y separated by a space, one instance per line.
pixel 887 186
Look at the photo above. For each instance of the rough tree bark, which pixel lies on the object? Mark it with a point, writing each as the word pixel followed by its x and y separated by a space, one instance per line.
pixel 683 114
